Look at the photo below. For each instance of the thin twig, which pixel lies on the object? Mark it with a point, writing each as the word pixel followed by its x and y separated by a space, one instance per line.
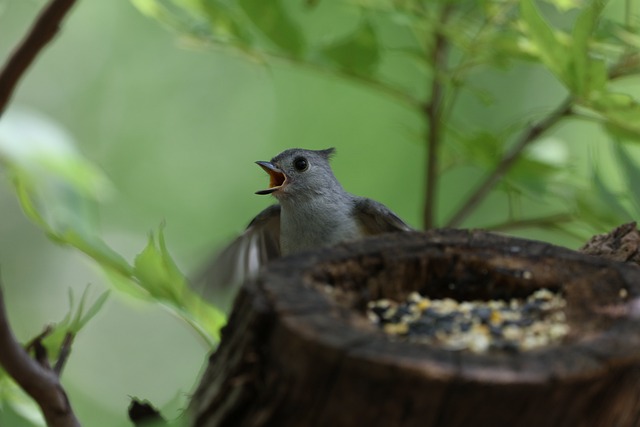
pixel 467 62
pixel 33 376
pixel 529 135
pixel 627 65
pixel 63 355
pixel 45 333
pixel 42 384
pixel 40 355
pixel 41 33
pixel 433 114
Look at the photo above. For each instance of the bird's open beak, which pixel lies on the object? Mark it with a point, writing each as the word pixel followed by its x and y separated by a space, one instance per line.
pixel 277 178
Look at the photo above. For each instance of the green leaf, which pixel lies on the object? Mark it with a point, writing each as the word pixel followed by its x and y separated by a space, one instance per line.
pixel 631 172
pixel 274 22
pixel 158 273
pixel 59 190
pixel 75 319
pixel 482 148
pixel 532 176
pixel 588 74
pixel 504 47
pixel 597 77
pixel 126 284
pixel 566 5
pixel 202 316
pixel 26 202
pixel 164 12
pixel 548 47
pixel 81 318
pixel 600 209
pixel 224 21
pixel 621 113
pixel 630 38
pixel 97 249
pixel 150 8
pixel 64 187
pixel 359 52
pixel 11 393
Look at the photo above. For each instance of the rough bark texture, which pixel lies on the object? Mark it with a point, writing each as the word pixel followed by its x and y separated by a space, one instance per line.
pixel 621 244
pixel 298 350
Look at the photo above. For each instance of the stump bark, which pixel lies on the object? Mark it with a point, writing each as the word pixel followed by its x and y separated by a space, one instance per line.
pixel 299 350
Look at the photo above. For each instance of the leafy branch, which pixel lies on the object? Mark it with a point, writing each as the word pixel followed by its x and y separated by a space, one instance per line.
pixel 433 116
pixel 529 135
pixel 59 191
pixel 42 32
pixel 153 275
pixel 486 33
pixel 35 376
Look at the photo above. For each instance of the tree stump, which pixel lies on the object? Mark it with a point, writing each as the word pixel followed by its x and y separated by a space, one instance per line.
pixel 296 355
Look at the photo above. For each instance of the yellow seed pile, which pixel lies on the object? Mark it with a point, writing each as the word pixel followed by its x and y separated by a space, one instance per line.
pixel 477 326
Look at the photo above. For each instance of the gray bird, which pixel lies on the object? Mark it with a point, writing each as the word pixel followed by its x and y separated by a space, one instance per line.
pixel 313 211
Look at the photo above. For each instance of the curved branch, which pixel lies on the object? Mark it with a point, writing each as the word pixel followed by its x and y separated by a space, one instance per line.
pixel 433 115
pixel 41 33
pixel 529 135
pixel 42 384
pixel 34 376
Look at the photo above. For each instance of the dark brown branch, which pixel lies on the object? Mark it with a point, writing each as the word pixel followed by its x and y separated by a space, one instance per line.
pixel 40 355
pixel 433 114
pixel 34 376
pixel 530 134
pixel 65 350
pixel 42 384
pixel 143 413
pixel 45 333
pixel 41 33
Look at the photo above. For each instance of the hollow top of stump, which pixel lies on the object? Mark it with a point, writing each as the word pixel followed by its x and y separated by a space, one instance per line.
pixel 603 305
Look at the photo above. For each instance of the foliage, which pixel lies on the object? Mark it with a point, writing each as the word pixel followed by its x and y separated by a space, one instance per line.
pixel 59 190
pixel 420 53
pixel 424 53
pixel 52 339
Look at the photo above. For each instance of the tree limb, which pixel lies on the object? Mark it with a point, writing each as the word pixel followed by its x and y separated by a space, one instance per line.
pixel 34 376
pixel 42 384
pixel 65 350
pixel 529 135
pixel 41 33
pixel 433 114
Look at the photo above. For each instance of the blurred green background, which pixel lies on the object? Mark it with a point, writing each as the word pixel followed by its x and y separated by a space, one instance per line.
pixel 176 129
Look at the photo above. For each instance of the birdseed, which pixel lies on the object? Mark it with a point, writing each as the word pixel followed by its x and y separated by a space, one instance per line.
pixel 477 326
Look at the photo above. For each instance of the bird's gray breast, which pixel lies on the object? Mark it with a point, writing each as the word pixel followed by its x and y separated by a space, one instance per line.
pixel 316 224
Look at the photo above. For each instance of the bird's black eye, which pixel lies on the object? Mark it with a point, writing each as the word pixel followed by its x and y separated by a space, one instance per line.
pixel 301 164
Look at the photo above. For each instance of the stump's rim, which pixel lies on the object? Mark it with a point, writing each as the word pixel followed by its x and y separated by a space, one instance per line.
pixel 304 312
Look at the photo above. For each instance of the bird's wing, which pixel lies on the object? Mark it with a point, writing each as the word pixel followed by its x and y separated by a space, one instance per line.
pixel 376 218
pixel 243 257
